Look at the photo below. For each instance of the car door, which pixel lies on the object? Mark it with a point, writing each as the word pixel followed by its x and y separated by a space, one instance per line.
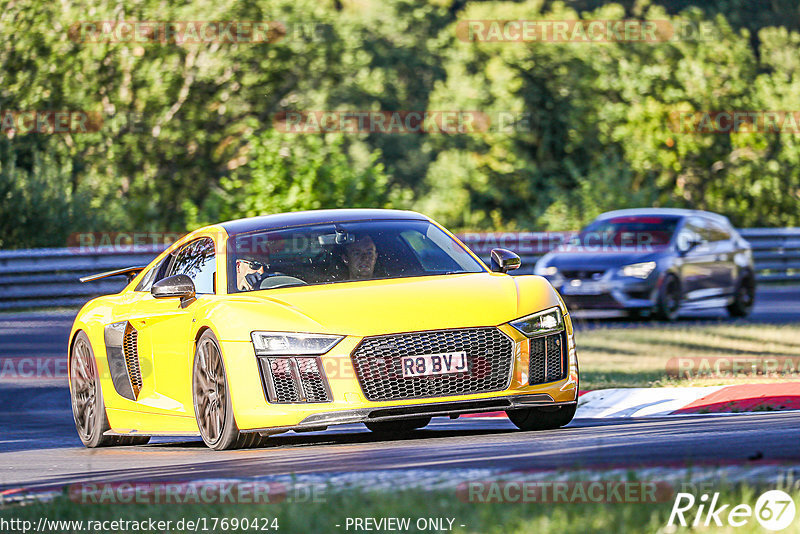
pixel 697 264
pixel 724 255
pixel 164 331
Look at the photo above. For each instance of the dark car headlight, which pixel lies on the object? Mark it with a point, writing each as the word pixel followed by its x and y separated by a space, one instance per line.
pixel 540 323
pixel 286 343
pixel 638 270
pixel 549 270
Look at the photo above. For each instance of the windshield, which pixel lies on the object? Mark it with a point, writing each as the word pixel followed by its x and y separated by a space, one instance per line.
pixel 343 252
pixel 636 231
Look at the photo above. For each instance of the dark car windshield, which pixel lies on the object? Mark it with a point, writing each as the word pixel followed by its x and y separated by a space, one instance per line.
pixel 631 231
pixel 342 252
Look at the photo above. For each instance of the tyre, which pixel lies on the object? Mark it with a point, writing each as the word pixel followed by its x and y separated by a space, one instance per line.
pixel 743 298
pixel 542 418
pixel 88 409
pixel 633 315
pixel 669 299
pixel 399 426
pixel 212 401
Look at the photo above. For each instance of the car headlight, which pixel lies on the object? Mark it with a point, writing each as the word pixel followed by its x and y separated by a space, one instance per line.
pixel 552 270
pixel 283 343
pixel 540 323
pixel 638 270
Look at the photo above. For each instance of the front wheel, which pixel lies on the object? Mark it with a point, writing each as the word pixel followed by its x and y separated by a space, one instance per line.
pixel 669 299
pixel 744 298
pixel 400 426
pixel 542 418
pixel 212 400
pixel 633 315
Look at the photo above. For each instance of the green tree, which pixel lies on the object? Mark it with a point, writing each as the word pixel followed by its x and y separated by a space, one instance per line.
pixel 292 172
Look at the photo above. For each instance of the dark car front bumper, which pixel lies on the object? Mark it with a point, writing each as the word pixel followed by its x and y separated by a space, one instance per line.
pixel 605 294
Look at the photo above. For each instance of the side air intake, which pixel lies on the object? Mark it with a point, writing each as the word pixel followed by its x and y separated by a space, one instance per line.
pixel 130 349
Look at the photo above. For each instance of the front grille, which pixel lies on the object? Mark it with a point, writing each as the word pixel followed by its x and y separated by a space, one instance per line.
pixel 294 379
pixel 547 359
pixel 604 300
pixel 378 363
pixel 130 349
pixel 587 274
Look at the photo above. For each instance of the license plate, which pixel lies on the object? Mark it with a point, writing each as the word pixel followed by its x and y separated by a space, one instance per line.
pixel 435 364
pixel 584 288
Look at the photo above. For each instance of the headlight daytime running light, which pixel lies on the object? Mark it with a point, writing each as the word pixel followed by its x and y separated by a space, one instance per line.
pixel 540 323
pixel 550 270
pixel 638 270
pixel 287 343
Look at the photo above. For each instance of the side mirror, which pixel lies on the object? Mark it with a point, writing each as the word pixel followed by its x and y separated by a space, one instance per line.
pixel 686 246
pixel 178 285
pixel 504 260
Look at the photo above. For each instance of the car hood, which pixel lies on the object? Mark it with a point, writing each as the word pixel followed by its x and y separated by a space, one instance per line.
pixel 391 306
pixel 586 260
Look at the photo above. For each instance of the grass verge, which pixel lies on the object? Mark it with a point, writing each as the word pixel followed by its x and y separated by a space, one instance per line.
pixel 468 517
pixel 639 357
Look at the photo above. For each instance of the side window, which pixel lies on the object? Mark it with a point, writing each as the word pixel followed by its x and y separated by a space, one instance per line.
pixel 702 229
pixel 197 261
pixel 718 232
pixel 158 272
pixel 693 232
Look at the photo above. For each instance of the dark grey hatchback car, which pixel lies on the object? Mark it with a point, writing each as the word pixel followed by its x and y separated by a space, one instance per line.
pixel 654 261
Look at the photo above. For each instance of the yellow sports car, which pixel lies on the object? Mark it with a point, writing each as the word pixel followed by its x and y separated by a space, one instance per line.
pixel 303 320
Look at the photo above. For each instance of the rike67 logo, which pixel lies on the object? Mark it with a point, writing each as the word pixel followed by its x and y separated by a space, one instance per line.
pixel 774 510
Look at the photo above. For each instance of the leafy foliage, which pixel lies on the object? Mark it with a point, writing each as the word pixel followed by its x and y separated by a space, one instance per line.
pixel 187 134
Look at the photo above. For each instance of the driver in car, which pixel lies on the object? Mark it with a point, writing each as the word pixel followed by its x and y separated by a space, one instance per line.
pixel 249 274
pixel 360 257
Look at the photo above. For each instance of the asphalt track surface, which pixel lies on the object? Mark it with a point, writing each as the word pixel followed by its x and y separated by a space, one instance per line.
pixel 39 447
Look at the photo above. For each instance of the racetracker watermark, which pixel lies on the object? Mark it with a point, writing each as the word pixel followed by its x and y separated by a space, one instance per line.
pixel 448 122
pixel 735 121
pixel 573 492
pixel 586 242
pixel 584 31
pixel 732 366
pixel 21 122
pixel 33 368
pixel 387 122
pixel 196 32
pixel 200 492
pixel 111 242
pixel 339 369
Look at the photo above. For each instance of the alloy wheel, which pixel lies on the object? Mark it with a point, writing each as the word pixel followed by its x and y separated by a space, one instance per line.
pixel 84 389
pixel 210 400
pixel 669 299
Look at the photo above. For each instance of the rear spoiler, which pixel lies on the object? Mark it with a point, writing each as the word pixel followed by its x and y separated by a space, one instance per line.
pixel 130 272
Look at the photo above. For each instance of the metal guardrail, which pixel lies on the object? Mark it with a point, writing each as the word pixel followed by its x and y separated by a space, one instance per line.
pixel 42 278
pixel 776 251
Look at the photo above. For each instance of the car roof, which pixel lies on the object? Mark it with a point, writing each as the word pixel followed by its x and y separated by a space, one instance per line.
pixel 302 218
pixel 673 212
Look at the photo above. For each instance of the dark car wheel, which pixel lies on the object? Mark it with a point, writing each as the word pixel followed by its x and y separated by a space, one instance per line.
pixel 212 400
pixel 633 315
pixel 398 427
pixel 669 299
pixel 88 408
pixel 744 298
pixel 542 418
